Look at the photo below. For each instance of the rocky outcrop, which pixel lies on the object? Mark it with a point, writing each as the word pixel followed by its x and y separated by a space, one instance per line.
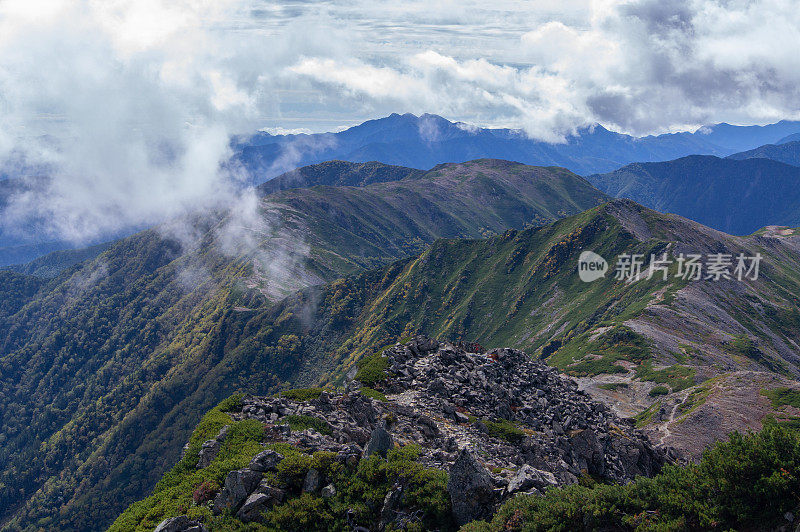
pixel 210 449
pixel 380 441
pixel 498 422
pixel 265 461
pixel 470 488
pixel 238 485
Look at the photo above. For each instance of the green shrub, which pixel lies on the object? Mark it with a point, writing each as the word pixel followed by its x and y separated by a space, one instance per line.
pixel 302 394
pixel 613 386
pixel 658 390
pixel 301 422
pixel 303 513
pixel 292 469
pixel 231 404
pixel 743 345
pixel 677 377
pixel 372 370
pixel 362 490
pixel 505 430
pixel 783 396
pixel 373 394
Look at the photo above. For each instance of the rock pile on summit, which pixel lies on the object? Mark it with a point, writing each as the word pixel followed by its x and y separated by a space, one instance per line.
pixel 498 422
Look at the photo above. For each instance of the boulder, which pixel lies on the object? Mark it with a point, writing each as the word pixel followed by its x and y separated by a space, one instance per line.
pixel 391 503
pixel 265 461
pixel 254 507
pixel 276 495
pixel 528 477
pixel 210 448
pixel 328 491
pixel 470 488
pixel 238 485
pixel 312 481
pixel 179 524
pixel 208 451
pixel 380 441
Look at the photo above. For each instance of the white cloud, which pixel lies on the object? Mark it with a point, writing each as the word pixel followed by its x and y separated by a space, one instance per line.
pixel 131 102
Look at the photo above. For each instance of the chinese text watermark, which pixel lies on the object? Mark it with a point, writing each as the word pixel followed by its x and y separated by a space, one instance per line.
pixel 632 267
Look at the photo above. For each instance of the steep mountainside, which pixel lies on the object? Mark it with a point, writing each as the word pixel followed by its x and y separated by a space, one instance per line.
pixel 97 403
pixel 348 228
pixel 676 344
pixel 738 197
pixel 789 138
pixel 111 360
pixel 428 140
pixel 788 153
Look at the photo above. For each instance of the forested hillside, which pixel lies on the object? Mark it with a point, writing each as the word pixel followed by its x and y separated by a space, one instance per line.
pixel 735 196
pixel 109 364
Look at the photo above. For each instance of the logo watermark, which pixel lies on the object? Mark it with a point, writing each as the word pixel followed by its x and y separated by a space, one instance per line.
pixel 591 266
pixel 691 266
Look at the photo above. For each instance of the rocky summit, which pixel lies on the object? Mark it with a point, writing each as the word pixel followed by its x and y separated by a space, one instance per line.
pixel 497 422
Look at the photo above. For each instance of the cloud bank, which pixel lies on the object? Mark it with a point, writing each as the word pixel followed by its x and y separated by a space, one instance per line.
pixel 130 105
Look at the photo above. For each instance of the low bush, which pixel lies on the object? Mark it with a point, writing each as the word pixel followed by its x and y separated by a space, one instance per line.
pixel 302 394
pixel 373 394
pixel 296 422
pixel 505 430
pixel 658 390
pixel 372 370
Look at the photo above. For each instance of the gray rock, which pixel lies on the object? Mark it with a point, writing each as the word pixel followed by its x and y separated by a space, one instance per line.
pixel 312 481
pixel 390 505
pixel 380 441
pixel 238 485
pixel 470 488
pixel 209 450
pixel 528 477
pixel 276 495
pixel 266 461
pixel 254 507
pixel 328 491
pixel 179 524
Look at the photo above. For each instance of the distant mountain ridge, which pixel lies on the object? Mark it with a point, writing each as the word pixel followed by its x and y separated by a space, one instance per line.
pixel 427 140
pixel 337 174
pixel 735 196
pixel 787 152
pixel 422 142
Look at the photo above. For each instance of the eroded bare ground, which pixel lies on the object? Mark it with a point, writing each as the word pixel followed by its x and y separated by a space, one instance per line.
pixel 694 418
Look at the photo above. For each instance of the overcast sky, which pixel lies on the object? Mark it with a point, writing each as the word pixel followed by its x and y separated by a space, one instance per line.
pixel 136 99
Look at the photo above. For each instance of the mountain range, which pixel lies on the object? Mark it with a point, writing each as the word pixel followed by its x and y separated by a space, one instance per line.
pixel 427 140
pixel 110 363
pixel 422 142
pixel 787 152
pixel 110 355
pixel 689 357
